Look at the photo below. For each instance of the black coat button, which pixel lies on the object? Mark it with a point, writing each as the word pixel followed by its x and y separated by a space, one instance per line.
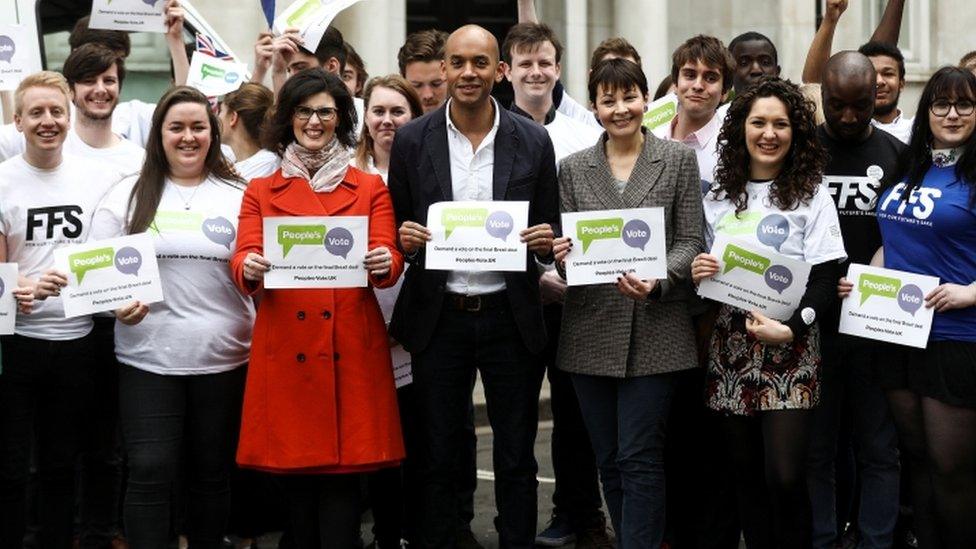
pixel 335 356
pixel 301 315
pixel 300 357
pixel 326 315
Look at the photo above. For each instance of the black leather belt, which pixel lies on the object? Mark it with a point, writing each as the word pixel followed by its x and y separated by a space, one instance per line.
pixel 475 303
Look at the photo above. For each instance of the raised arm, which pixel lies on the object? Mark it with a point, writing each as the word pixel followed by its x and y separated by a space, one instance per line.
pixel 819 51
pixel 526 12
pixel 890 26
pixel 174 39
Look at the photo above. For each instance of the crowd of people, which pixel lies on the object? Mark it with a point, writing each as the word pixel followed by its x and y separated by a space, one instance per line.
pixel 230 410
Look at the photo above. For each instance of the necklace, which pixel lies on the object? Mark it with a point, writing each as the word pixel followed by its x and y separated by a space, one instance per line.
pixel 187 201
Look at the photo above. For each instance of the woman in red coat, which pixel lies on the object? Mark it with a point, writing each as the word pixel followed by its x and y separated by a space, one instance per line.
pixel 319 405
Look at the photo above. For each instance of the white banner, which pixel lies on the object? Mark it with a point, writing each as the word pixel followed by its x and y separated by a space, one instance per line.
pixel 755 280
pixel 16 60
pixel 476 236
pixel 610 242
pixel 8 303
pixel 888 305
pixel 129 15
pixel 105 275
pixel 311 18
pixel 316 252
pixel 215 77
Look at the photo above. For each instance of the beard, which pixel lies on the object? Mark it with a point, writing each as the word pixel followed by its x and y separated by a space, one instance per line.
pixel 99 116
pixel 884 110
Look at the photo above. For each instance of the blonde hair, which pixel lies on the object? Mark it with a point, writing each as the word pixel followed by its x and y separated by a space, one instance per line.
pixel 43 79
pixel 395 82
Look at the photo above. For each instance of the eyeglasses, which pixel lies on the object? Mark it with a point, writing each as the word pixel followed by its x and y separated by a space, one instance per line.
pixel 324 113
pixel 941 107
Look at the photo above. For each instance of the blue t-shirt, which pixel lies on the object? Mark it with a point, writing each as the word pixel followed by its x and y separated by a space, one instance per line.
pixel 934 233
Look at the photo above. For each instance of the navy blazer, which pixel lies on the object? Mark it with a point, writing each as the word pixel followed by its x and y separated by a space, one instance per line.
pixel 420 175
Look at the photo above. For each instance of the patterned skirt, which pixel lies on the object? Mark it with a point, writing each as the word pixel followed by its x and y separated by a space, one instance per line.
pixel 746 376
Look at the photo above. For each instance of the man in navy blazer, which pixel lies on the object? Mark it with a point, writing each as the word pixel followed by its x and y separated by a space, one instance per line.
pixel 456 322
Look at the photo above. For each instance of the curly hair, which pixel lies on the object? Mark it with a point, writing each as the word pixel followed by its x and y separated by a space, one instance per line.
pixel 803 168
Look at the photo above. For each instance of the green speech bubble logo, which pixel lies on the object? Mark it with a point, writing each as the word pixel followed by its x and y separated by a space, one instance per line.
pixel 659 116
pixel 452 218
pixel 881 286
pixel 298 18
pixel 598 229
pixel 210 70
pixel 733 225
pixel 738 257
pixel 167 222
pixel 300 235
pixel 82 262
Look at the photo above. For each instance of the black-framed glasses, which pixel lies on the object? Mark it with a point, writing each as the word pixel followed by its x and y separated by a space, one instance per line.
pixel 941 107
pixel 324 113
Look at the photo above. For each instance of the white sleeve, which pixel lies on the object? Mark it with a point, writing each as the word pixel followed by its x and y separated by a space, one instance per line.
pixel 11 142
pixel 571 108
pixel 109 218
pixel 822 240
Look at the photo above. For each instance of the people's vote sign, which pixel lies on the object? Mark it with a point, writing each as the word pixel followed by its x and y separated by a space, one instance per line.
pixel 661 112
pixel 108 274
pixel 611 242
pixel 316 252
pixel 755 280
pixel 17 59
pixel 888 305
pixel 476 236
pixel 129 15
pixel 8 303
pixel 215 77
pixel 311 18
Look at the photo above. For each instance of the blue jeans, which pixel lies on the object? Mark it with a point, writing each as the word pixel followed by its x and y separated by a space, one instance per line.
pixel 627 419
pixel 848 388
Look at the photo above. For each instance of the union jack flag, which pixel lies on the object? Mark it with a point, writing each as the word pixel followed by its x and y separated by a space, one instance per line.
pixel 206 45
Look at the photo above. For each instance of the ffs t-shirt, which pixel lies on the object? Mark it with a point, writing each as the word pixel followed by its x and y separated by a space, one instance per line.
pixel 204 324
pixel 810 233
pixel 933 232
pixel 41 210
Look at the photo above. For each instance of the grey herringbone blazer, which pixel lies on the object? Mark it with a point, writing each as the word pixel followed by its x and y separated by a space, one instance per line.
pixel 604 332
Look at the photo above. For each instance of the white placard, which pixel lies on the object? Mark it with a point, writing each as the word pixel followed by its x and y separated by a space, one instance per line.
pixel 16 60
pixel 476 236
pixel 661 112
pixel 129 15
pixel 753 279
pixel 888 305
pixel 311 18
pixel 316 252
pixel 609 242
pixel 108 274
pixel 402 366
pixel 215 77
pixel 8 303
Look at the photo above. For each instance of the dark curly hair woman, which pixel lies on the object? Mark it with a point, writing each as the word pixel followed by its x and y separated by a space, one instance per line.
pixel 763 372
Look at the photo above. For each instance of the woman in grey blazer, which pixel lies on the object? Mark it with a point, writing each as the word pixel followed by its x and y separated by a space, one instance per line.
pixel 621 342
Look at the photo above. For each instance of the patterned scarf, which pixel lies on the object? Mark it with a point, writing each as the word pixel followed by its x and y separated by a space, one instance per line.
pixel 324 169
pixel 943 158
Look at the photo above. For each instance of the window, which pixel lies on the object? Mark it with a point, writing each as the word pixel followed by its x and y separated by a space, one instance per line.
pixel 914 39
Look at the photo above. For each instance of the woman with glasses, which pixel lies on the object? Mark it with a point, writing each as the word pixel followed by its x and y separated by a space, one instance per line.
pixel 928 226
pixel 320 407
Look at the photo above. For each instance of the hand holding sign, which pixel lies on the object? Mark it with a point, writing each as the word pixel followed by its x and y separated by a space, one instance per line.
pixel 948 296
pixel 614 243
pixel 255 265
pixel 50 284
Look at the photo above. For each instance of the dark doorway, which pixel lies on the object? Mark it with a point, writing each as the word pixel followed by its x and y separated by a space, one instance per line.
pixel 495 15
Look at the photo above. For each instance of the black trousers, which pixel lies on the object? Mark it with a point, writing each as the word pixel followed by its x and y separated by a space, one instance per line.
pixel 487 341
pixel 45 396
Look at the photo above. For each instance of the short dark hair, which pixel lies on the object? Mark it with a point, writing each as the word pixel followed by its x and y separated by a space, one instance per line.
pixel 528 36
pixel 332 45
pixel 876 49
pixel 710 51
pixel 90 60
pixel 277 132
pixel 117 41
pixel 421 46
pixel 616 74
pixel 617 46
pixel 752 36
pixel 356 62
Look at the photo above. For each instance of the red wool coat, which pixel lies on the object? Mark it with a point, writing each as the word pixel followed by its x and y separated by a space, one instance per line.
pixel 319 396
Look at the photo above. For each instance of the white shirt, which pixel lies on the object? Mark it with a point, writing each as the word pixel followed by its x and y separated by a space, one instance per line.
pixel 569 135
pixel 204 324
pixel 360 106
pixel 810 233
pixel 261 164
pixel 900 127
pixel 571 108
pixel 124 158
pixel 472 179
pixel 41 210
pixel 703 142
